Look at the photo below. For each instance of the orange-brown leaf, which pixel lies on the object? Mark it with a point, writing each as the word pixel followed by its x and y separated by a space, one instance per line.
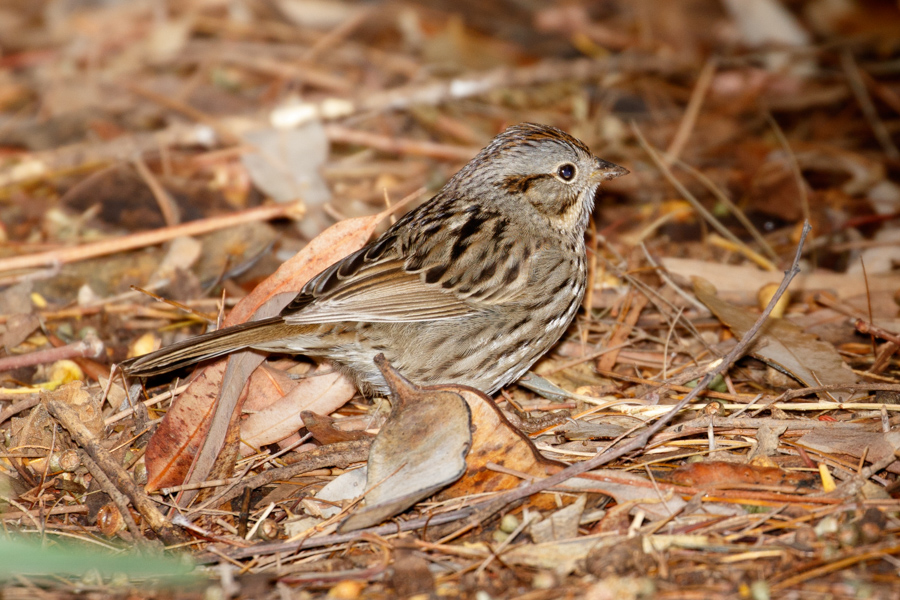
pixel 179 437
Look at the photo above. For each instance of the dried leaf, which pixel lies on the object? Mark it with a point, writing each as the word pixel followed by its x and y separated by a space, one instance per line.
pixel 179 437
pixel 496 441
pixel 562 557
pixel 18 327
pixel 421 448
pixel 324 429
pixel 745 281
pixel 326 391
pixel 268 385
pixel 875 445
pixel 285 165
pixel 334 243
pixel 320 14
pixel 719 474
pixel 16 299
pixel 631 492
pixel 560 525
pixel 36 430
pixel 783 345
pixel 411 575
pixel 768 22
pixel 176 441
pixel 344 487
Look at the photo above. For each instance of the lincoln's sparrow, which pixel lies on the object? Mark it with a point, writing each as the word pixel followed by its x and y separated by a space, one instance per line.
pixel 472 287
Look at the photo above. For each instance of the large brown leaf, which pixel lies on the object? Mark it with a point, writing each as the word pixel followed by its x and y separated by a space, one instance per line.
pixel 420 449
pixel 496 441
pixel 187 424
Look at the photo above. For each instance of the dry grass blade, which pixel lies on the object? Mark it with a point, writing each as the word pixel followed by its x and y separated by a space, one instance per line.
pixel 707 216
pixel 118 120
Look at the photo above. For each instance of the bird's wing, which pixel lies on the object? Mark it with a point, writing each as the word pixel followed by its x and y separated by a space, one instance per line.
pixel 374 288
pixel 426 267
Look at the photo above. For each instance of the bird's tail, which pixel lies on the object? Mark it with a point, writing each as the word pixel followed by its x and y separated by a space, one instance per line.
pixel 206 346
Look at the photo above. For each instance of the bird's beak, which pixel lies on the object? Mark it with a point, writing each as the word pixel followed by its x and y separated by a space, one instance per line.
pixel 604 171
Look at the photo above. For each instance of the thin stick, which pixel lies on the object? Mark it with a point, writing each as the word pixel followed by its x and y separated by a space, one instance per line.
pixel 117 497
pixel 795 165
pixel 89 347
pixel 56 510
pixel 337 35
pixel 858 87
pixel 293 210
pixel 340 538
pixel 641 440
pixel 167 205
pixel 148 403
pixel 23 405
pixel 395 145
pixel 337 454
pixel 701 210
pixel 689 120
pixel 649 412
pixel 722 197
pixel 222 129
pixel 68 418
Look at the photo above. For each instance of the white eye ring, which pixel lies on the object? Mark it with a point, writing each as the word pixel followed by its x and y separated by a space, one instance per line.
pixel 566 171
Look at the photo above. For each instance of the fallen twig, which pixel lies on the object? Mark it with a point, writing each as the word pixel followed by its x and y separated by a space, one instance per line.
pixel 90 347
pixel 114 494
pixel 339 454
pixel 149 238
pixel 69 419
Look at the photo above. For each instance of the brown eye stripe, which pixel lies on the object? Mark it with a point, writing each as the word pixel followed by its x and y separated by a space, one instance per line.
pixel 520 183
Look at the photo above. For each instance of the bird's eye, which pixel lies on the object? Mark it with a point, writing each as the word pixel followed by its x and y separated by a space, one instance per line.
pixel 566 172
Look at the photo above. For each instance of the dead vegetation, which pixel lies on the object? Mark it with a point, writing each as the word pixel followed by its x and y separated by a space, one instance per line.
pixel 189 152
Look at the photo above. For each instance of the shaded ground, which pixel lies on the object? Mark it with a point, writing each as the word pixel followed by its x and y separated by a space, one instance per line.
pixel 188 149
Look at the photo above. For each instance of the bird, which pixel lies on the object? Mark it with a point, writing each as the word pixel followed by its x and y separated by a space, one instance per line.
pixel 470 288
